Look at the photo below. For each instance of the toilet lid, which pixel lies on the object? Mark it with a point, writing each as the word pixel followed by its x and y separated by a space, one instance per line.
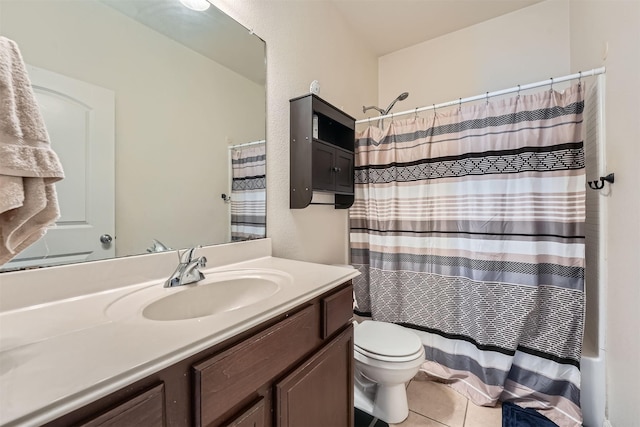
pixel 386 339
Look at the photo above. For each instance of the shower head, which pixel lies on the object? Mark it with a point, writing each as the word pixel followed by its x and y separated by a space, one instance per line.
pixel 400 97
pixel 382 112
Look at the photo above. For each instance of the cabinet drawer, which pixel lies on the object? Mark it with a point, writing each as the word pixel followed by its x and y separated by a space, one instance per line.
pixel 229 378
pixel 337 310
pixel 145 409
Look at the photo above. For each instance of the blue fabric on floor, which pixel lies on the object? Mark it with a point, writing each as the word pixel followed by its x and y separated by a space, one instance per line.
pixel 515 416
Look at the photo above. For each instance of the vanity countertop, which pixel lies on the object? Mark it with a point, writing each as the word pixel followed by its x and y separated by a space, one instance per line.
pixel 63 354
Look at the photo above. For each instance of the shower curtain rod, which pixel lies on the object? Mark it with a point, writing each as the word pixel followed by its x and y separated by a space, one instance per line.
pixel 488 95
pixel 246 144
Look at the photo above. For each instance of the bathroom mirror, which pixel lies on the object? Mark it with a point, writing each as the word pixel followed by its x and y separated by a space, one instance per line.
pixel 159 92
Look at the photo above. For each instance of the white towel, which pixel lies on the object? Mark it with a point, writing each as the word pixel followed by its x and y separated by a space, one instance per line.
pixel 28 165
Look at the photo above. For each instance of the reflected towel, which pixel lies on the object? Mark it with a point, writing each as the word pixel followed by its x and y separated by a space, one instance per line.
pixel 28 165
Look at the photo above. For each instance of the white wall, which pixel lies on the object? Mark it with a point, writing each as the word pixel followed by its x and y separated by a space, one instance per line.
pixel 528 45
pixel 306 41
pixel 594 26
pixel 171 127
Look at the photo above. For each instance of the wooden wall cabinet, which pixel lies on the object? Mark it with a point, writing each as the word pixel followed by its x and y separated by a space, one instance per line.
pixel 294 370
pixel 321 156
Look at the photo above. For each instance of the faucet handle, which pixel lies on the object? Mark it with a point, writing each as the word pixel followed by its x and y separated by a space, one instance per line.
pixel 187 256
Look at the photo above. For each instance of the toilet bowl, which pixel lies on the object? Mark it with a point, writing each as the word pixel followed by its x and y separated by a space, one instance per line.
pixel 386 357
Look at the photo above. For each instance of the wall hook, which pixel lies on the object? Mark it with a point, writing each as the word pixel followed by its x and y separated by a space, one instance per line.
pixel 594 185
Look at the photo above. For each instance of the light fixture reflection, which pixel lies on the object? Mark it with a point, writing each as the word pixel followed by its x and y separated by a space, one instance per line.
pixel 199 5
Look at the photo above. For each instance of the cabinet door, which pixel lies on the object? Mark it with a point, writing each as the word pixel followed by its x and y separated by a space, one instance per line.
pixel 252 417
pixel 343 171
pixel 323 166
pixel 320 392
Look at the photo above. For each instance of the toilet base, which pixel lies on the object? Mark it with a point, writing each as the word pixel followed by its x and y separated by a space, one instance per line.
pixel 391 403
pixel 363 398
pixel 387 403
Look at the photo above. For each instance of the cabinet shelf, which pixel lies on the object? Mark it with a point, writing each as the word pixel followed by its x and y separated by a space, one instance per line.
pixel 322 143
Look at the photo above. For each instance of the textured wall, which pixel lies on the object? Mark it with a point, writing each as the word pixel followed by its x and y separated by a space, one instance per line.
pixel 306 41
pixel 525 46
pixel 608 33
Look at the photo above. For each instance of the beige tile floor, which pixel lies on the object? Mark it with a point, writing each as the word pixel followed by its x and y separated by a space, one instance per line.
pixel 432 404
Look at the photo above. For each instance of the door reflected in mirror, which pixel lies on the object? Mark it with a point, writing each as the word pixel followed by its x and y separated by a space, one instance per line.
pixel 157 112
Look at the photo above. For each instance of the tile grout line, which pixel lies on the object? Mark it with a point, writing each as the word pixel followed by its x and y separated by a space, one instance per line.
pixel 429 418
pixel 466 410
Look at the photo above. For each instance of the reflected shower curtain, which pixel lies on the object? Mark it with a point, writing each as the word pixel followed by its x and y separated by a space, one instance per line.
pixel 467 227
pixel 248 193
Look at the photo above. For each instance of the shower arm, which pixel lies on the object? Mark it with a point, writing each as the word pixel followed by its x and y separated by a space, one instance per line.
pixel 382 112
pixel 373 107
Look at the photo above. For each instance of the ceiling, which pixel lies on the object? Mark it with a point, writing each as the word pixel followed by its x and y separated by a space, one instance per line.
pixel 390 25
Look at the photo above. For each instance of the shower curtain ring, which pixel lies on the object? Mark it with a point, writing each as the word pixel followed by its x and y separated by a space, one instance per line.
pixel 459 104
pixel 416 113
pixel 518 97
pixel 551 88
pixel 579 79
pixel 487 98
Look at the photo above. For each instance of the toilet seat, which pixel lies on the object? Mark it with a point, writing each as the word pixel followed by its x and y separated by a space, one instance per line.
pixel 383 358
pixel 387 342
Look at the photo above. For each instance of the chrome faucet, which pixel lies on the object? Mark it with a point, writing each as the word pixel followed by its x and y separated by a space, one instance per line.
pixel 187 270
pixel 158 246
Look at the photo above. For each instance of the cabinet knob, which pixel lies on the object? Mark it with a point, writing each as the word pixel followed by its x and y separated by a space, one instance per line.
pixel 336 169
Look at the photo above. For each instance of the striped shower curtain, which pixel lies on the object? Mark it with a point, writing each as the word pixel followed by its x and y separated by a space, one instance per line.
pixel 248 193
pixel 467 227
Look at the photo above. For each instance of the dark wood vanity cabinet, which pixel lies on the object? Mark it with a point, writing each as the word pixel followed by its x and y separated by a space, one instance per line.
pixel 321 156
pixel 320 392
pixel 145 409
pixel 294 370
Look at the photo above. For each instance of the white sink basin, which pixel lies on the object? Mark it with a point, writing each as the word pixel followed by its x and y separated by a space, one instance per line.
pixel 219 292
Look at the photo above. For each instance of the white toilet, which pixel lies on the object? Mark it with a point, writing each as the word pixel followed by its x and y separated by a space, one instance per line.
pixel 386 356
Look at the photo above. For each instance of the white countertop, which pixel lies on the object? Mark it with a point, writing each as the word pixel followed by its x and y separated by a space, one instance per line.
pixel 60 355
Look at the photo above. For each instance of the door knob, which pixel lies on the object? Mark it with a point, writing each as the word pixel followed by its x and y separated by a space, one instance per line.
pixel 106 239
